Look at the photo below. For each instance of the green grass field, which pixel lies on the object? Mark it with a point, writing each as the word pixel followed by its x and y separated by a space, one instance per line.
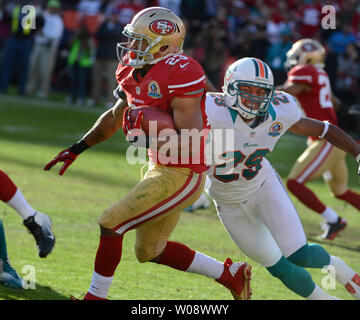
pixel 32 132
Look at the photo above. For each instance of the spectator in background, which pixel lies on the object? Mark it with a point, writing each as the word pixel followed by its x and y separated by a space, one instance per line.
pixel 106 62
pixel 173 5
pixel 5 24
pixel 44 52
pixel 260 43
pixel 340 39
pixel 310 18
pixel 89 7
pixel 18 47
pixel 214 53
pixel 80 61
pixel 276 56
pixel 194 12
pixel 127 9
pixel 69 4
pixel 347 84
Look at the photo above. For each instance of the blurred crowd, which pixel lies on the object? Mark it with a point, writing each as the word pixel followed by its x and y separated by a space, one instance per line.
pixel 72 47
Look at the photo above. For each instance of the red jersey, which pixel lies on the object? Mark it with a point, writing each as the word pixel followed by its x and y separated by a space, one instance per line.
pixel 316 103
pixel 176 76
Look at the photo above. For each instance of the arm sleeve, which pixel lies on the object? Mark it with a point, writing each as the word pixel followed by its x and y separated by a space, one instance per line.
pixel 295 111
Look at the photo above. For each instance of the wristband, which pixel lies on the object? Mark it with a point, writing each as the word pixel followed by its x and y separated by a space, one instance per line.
pixel 79 147
pixel 358 158
pixel 326 128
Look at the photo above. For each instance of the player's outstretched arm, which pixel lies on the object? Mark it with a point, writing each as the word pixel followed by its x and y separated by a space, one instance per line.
pixel 325 130
pixel 294 88
pixel 107 124
pixel 105 127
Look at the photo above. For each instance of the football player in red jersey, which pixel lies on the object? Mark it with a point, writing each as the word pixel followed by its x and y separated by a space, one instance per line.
pixel 309 82
pixel 153 71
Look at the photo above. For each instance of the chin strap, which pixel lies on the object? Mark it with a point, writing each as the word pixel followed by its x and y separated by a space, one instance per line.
pixel 259 120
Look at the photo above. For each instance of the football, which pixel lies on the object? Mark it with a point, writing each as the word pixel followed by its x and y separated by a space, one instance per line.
pixel 162 118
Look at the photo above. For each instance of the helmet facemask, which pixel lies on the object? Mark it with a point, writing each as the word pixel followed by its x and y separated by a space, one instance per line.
pixel 138 50
pixel 258 105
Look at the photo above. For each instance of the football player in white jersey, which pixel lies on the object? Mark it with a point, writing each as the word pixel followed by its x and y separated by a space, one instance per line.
pixel 246 121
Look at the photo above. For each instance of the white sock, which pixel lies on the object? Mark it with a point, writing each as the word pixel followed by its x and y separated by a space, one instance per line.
pixel 207 266
pixel 343 272
pixel 20 205
pixel 330 215
pixel 320 294
pixel 100 285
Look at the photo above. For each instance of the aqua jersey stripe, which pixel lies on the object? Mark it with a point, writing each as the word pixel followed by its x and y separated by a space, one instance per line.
pixel 272 111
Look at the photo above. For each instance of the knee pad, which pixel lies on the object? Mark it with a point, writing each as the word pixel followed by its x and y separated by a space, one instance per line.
pixel 310 256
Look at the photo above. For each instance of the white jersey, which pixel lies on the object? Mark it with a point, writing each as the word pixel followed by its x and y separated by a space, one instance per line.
pixel 236 152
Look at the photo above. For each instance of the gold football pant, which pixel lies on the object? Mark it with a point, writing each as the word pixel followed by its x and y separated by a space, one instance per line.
pixel 153 207
pixel 322 159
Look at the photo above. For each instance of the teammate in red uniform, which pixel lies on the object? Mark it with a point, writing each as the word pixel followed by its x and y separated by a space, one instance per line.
pixel 308 81
pixel 154 72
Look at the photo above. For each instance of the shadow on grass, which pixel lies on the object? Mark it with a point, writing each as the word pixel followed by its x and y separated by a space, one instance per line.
pixel 39 293
pixel 89 175
pixel 335 243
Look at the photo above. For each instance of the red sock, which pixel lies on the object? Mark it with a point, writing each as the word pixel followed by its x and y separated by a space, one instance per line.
pixel 108 255
pixel 7 187
pixel 90 296
pixel 177 255
pixel 305 195
pixel 351 197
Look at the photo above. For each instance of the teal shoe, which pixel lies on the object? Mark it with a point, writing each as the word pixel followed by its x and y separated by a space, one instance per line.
pixel 8 276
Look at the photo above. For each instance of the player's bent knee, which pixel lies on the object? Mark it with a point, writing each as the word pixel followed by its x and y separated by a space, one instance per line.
pixel 148 252
pixel 302 257
pixel 310 256
pixel 142 255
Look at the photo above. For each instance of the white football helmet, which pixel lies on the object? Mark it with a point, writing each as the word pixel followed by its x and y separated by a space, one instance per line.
pixel 248 72
pixel 153 34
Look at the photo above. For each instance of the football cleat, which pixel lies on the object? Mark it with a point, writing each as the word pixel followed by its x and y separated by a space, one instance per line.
pixel 332 229
pixel 353 286
pixel 39 225
pixel 8 276
pixel 236 277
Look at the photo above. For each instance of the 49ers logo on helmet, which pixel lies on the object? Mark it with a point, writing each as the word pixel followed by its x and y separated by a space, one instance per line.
pixel 308 47
pixel 162 27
